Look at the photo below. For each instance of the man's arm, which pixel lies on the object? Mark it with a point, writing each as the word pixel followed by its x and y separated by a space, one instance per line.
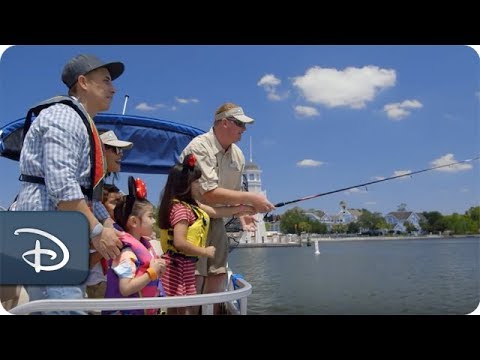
pixel 107 242
pixel 233 197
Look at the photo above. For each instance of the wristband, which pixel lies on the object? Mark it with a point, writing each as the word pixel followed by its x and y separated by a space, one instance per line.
pixel 97 230
pixel 152 273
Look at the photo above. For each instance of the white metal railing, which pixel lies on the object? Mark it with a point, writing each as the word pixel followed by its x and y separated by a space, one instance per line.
pixel 205 300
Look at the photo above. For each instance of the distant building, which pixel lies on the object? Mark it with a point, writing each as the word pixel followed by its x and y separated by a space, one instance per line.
pixel 275 226
pixel 313 217
pixel 344 217
pixel 398 219
pixel 251 174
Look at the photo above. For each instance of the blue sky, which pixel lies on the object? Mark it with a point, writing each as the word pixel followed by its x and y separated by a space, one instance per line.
pixel 327 117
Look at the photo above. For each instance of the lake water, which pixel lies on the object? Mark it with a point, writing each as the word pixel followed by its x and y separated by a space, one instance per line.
pixel 421 276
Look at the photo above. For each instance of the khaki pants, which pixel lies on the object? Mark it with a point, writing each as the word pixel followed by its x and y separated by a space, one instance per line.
pixel 97 291
pixel 9 294
pixel 217 237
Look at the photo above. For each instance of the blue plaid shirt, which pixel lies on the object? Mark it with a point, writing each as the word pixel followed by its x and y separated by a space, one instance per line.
pixel 100 211
pixel 56 148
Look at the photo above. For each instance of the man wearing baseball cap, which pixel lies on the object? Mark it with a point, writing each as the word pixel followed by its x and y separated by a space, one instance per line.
pixel 222 163
pixel 57 172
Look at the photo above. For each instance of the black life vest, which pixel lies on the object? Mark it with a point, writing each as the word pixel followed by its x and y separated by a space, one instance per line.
pixel 97 172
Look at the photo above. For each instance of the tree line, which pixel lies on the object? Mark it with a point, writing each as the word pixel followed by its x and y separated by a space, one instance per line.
pixel 296 220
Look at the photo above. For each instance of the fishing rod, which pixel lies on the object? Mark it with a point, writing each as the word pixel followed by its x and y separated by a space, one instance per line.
pixel 280 204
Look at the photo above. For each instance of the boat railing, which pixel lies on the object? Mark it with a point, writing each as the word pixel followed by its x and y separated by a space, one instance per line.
pixel 235 300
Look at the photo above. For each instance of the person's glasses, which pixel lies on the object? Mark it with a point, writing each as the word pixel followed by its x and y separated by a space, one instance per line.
pixel 239 123
pixel 117 150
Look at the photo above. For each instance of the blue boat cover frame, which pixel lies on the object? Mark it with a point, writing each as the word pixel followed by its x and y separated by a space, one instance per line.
pixel 157 143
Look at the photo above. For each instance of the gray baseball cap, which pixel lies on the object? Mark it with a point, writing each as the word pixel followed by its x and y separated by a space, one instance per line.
pixel 83 64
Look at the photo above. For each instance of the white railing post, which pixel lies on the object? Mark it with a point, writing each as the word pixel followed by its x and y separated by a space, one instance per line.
pixel 243 306
pixel 207 309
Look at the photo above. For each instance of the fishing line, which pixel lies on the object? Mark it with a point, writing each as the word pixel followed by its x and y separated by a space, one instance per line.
pixel 280 204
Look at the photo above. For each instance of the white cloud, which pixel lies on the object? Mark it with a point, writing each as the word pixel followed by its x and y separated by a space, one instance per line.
pixel 477 94
pixel 351 87
pixel 268 142
pixel 356 191
pixel 464 189
pixel 306 111
pixel 145 107
pixel 402 172
pixel 379 177
pixel 398 111
pixel 185 101
pixel 450 117
pixel 309 163
pixel 449 159
pixel 274 96
pixel 270 82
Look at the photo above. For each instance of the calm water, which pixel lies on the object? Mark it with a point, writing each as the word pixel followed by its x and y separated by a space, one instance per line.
pixel 431 276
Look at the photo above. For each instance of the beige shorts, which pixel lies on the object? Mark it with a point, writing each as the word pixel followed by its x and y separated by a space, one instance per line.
pixel 9 295
pixel 97 291
pixel 217 237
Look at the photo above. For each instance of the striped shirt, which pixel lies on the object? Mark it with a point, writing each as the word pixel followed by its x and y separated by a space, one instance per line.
pixel 181 212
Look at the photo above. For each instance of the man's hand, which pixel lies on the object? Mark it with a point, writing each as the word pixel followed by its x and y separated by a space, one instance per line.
pixel 249 223
pixel 107 243
pixel 260 203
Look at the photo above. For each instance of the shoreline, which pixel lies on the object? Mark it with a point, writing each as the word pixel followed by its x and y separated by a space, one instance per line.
pixel 360 238
pixel 350 238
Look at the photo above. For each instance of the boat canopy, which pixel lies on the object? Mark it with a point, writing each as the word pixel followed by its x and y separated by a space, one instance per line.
pixel 157 143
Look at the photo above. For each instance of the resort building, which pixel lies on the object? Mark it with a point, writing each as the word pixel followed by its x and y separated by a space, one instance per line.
pixel 398 219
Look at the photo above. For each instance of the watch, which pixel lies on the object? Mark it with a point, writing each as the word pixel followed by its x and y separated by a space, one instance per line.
pixel 97 230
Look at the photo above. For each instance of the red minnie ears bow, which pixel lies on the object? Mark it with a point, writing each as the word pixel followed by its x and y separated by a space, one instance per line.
pixel 190 161
pixel 137 188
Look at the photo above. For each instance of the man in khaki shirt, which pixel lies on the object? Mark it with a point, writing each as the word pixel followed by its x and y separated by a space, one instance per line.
pixel 222 163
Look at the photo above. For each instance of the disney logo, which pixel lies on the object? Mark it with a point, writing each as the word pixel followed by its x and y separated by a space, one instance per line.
pixel 38 251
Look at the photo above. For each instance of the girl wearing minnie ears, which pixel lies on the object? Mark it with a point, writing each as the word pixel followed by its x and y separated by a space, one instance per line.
pixel 136 271
pixel 184 224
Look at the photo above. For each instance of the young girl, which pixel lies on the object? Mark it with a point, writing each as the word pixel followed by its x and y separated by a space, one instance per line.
pixel 97 281
pixel 136 271
pixel 184 223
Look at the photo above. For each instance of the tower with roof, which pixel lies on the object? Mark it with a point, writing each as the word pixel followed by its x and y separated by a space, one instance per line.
pixel 252 178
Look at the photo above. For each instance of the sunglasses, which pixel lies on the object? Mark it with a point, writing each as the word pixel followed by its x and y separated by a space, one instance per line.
pixel 117 150
pixel 239 123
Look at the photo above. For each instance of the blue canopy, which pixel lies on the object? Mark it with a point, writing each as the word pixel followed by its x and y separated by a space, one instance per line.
pixel 157 143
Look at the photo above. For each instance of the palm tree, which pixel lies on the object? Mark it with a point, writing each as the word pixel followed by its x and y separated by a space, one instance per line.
pixel 402 207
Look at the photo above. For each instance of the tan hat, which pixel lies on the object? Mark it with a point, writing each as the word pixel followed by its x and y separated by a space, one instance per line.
pixel 237 113
pixel 109 138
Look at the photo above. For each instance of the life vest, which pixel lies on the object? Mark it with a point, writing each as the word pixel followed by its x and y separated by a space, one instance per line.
pixel 196 234
pixel 144 251
pixel 98 163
